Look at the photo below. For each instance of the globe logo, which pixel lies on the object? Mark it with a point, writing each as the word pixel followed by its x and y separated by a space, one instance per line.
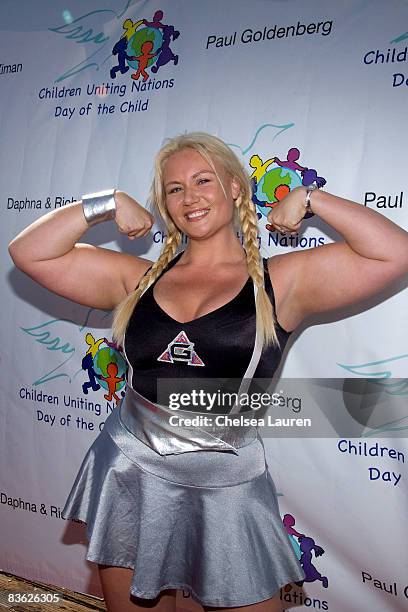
pixel 144 44
pixel 103 358
pixel 273 186
pixel 154 39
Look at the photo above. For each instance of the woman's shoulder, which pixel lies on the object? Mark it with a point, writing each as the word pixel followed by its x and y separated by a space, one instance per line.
pixel 134 268
pixel 283 269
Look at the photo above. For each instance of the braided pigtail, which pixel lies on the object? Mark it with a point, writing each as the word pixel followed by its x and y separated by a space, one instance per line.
pixel 265 317
pixel 124 310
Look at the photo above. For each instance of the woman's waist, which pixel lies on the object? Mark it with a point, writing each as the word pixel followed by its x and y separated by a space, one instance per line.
pixel 207 395
pixel 169 430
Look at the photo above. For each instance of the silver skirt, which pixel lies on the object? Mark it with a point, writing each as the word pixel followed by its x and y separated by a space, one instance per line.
pixel 203 518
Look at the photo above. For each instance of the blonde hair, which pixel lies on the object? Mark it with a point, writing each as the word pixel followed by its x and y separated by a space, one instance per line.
pixel 212 149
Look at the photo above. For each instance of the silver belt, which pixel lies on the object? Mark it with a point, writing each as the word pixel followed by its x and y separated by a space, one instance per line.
pixel 150 423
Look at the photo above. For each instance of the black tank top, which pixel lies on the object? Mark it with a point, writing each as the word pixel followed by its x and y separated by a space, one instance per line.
pixel 217 345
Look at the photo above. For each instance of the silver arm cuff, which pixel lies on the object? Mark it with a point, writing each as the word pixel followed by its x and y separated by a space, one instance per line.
pixel 99 206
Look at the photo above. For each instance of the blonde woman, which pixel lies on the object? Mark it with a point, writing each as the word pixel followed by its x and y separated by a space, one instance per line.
pixel 171 509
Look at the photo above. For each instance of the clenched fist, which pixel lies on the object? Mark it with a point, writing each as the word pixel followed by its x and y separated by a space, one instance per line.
pixel 131 218
pixel 287 216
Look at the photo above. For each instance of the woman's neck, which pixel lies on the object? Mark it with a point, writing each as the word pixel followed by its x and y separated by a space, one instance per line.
pixel 222 247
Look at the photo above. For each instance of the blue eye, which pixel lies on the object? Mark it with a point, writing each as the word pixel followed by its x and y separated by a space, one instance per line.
pixel 203 180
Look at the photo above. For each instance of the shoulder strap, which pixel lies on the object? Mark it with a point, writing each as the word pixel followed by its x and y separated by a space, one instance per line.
pixel 170 265
pixel 271 294
pixel 268 283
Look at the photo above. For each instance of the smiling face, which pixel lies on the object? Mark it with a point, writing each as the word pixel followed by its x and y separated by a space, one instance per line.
pixel 199 202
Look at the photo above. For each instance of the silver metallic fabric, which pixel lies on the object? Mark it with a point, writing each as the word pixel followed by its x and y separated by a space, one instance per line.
pixel 150 423
pixel 205 521
pixel 100 206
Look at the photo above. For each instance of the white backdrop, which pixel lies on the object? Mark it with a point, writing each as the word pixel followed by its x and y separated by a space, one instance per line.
pixel 267 76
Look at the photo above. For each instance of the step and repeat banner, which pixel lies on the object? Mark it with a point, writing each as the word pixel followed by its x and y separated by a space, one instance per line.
pixel 301 90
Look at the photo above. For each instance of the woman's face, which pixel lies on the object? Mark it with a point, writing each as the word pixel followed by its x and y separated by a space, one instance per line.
pixel 195 199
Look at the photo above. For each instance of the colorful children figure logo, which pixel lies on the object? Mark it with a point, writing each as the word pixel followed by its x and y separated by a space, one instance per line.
pixel 303 547
pixel 105 366
pixel 144 44
pixel 273 179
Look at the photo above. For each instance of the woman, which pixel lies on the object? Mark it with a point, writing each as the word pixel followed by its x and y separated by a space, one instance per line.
pixel 169 510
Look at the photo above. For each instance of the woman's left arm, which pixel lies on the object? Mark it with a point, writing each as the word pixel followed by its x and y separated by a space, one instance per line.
pixel 374 252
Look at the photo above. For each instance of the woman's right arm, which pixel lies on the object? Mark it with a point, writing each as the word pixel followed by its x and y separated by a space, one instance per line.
pixel 49 252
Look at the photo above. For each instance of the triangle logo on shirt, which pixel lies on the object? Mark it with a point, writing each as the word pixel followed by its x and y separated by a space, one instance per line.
pixel 182 350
